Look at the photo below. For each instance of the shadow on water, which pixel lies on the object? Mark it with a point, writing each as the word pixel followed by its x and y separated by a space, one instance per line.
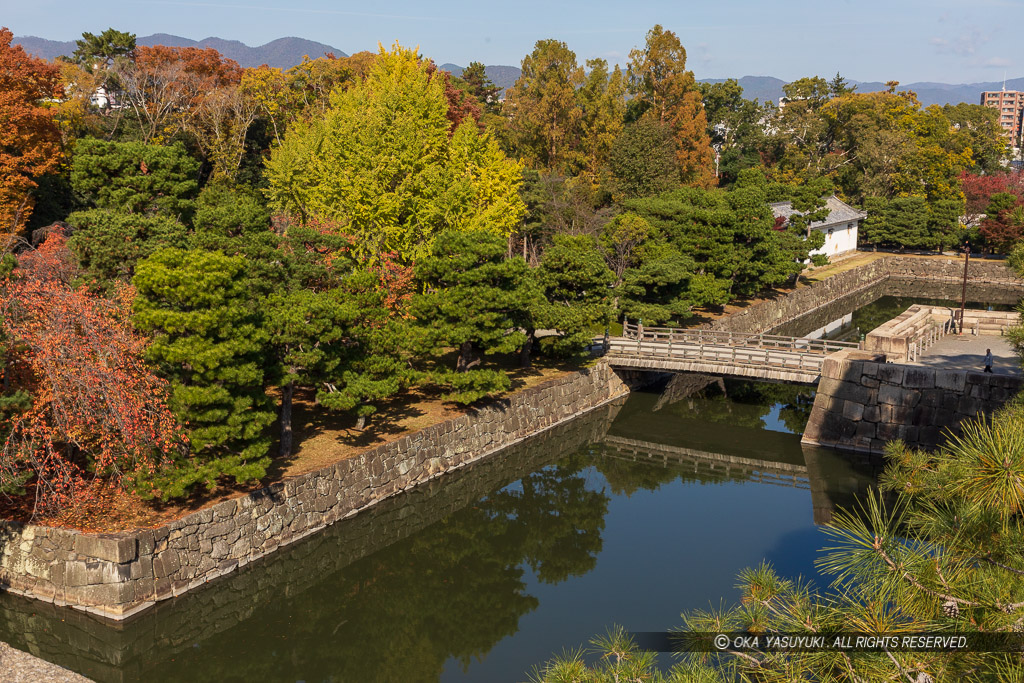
pixel 445 572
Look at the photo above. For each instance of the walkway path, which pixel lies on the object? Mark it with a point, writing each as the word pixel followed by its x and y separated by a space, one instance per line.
pixel 967 352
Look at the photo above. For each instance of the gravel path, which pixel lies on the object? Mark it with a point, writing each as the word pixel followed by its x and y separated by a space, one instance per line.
pixel 21 667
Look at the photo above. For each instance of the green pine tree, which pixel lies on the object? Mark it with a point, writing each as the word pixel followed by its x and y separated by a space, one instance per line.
pixel 475 300
pixel 208 341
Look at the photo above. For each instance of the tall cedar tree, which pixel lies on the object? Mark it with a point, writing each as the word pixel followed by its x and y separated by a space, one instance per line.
pixel 666 92
pixel 474 300
pixel 206 339
pixel 544 116
pixel 30 142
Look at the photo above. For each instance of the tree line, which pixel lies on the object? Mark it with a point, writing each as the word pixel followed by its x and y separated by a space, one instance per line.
pixel 356 226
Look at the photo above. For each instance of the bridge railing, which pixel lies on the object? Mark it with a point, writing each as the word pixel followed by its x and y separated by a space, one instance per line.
pixel 706 337
pixel 651 348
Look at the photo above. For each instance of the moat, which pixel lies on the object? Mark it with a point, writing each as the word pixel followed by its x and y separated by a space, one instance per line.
pixel 634 513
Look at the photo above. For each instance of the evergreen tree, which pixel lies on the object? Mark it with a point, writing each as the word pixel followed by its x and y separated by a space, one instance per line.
pixel 208 341
pixel 109 244
pixel 602 98
pixel 134 177
pixel 475 300
pixel 899 222
pixel 666 91
pixel 544 115
pixel 666 286
pixel 480 86
pixel 101 50
pixel 575 287
pixel 642 161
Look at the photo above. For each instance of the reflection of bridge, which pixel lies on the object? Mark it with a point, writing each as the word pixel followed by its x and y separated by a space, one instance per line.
pixel 764 357
pixel 703 462
pixel 832 480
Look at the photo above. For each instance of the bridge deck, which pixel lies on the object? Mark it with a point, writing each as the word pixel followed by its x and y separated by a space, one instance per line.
pixel 767 357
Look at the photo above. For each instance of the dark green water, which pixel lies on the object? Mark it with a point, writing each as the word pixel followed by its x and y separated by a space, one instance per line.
pixel 629 515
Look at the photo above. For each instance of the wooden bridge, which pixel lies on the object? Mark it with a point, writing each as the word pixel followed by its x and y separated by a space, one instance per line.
pixel 763 357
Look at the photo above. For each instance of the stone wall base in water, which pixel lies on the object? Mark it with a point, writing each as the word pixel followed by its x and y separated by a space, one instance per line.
pixel 862 402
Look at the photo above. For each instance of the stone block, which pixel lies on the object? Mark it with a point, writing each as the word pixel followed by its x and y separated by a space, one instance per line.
pixel 869 382
pixel 891 373
pixel 980 391
pixel 110 547
pixel 828 385
pixel 919 378
pixel 865 432
pixel 871 413
pixel 888 431
pixel 968 406
pixel 889 395
pixel 853 411
pixel 953 380
pixel 854 392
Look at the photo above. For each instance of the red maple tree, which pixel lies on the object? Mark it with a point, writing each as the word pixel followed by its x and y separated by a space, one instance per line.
pixel 29 139
pixel 97 413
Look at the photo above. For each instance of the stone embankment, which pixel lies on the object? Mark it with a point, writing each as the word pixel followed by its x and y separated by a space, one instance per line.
pixel 862 402
pixel 117 575
pixel 770 314
pixel 134 650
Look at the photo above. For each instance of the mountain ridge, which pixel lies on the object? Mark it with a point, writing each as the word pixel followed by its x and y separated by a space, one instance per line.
pixel 282 53
pixel 285 53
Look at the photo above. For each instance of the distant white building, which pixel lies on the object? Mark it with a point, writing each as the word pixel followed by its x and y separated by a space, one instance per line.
pixel 840 227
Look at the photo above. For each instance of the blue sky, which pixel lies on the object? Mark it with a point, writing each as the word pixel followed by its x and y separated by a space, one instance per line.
pixel 906 40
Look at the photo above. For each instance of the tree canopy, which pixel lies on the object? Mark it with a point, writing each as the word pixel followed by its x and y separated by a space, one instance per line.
pixel 381 164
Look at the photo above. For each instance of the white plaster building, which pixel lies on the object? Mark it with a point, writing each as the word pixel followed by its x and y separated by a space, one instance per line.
pixel 840 227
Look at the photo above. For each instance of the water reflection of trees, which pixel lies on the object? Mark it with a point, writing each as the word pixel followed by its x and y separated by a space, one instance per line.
pixel 450 590
pixel 747 404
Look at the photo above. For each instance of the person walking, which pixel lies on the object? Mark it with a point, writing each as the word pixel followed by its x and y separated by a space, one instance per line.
pixel 988 360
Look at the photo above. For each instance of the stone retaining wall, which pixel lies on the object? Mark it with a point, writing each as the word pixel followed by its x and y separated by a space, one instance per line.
pixel 135 649
pixel 983 275
pixel 117 575
pixel 862 402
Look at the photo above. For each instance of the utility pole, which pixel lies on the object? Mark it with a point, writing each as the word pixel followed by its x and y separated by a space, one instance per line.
pixel 963 293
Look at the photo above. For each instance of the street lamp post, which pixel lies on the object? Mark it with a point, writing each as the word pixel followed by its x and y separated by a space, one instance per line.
pixel 963 292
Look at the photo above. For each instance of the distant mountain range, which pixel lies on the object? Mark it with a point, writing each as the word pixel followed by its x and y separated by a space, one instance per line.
pixel 282 53
pixel 501 76
pixel 287 52
pixel 765 88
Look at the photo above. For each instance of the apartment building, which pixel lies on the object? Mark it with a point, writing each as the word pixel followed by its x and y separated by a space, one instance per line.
pixel 1010 104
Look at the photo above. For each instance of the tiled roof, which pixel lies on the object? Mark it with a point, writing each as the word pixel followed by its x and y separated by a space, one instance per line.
pixel 839 212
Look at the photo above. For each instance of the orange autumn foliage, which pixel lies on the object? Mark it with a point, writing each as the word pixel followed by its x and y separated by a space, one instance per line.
pixel 97 412
pixel 165 86
pixel 29 138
